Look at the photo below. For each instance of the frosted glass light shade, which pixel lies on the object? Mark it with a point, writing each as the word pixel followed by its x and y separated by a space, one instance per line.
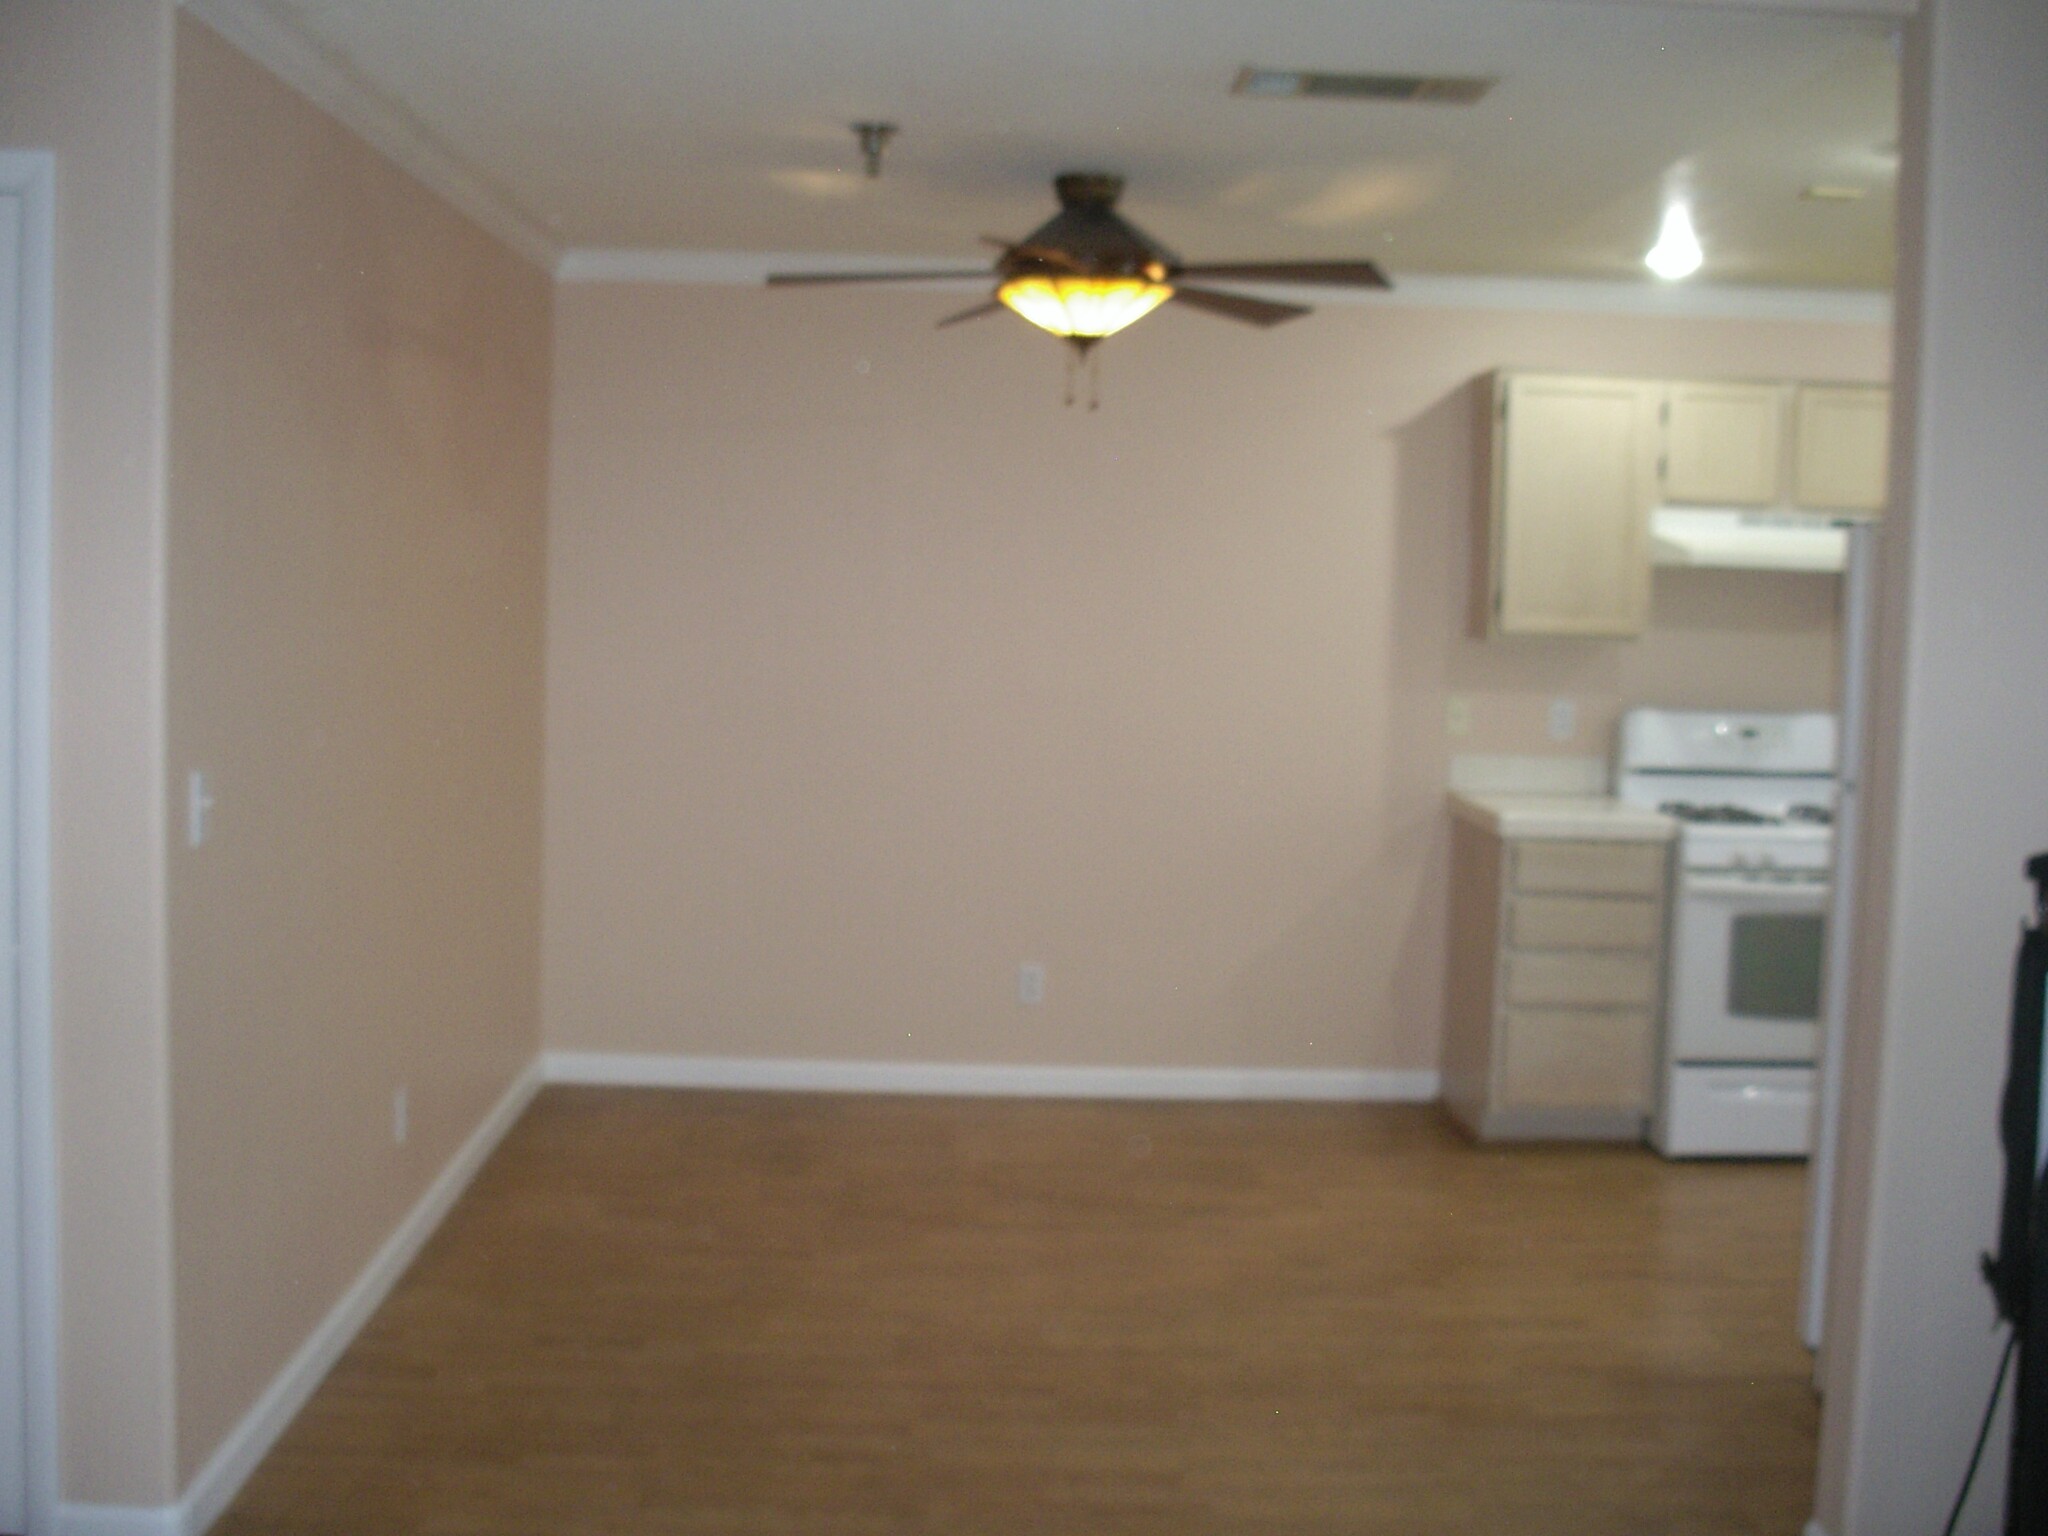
pixel 1677 253
pixel 1083 308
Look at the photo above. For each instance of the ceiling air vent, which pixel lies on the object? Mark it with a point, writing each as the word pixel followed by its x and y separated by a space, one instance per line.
pixel 1447 90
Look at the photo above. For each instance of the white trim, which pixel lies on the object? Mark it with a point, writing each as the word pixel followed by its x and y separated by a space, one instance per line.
pixel 1879 9
pixel 117 1520
pixel 217 1483
pixel 749 269
pixel 31 176
pixel 1706 301
pixel 327 79
pixel 977 1080
pixel 1814 1528
pixel 1684 301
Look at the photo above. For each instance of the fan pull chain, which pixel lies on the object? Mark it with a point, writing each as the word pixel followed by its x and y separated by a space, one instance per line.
pixel 1091 360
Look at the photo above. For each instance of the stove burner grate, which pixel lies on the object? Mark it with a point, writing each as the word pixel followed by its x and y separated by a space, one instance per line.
pixel 1723 815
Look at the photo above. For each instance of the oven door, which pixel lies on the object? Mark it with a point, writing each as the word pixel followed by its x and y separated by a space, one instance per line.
pixel 1745 968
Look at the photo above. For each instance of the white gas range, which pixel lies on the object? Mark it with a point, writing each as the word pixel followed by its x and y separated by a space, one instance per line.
pixel 1754 795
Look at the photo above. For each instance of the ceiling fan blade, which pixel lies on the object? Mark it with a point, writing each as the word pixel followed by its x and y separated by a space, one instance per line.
pixel 787 279
pixel 975 313
pixel 1236 306
pixel 1339 274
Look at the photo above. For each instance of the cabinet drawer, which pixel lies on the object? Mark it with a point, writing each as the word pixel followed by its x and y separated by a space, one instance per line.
pixel 1583 922
pixel 1590 869
pixel 1553 1058
pixel 1581 978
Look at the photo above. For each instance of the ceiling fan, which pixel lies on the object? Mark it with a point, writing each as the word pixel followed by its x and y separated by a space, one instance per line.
pixel 1087 272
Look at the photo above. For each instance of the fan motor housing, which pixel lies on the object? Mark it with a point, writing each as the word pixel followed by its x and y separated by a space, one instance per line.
pixel 1088 238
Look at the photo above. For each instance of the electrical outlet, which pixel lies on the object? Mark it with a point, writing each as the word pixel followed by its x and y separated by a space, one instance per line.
pixel 400 1116
pixel 1458 715
pixel 1031 982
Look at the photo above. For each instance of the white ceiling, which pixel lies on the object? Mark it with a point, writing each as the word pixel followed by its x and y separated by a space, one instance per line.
pixel 722 125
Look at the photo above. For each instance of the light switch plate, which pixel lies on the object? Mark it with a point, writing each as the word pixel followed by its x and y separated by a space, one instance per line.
pixel 198 809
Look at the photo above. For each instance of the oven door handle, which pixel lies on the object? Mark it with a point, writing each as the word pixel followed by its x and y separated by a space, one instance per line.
pixel 1795 892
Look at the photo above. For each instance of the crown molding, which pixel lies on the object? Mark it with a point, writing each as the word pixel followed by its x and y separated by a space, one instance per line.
pixel 326 78
pixel 748 269
pixel 1704 301
pixel 1690 301
pixel 1883 10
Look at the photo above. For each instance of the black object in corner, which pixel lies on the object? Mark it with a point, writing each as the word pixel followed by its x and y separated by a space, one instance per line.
pixel 2018 1274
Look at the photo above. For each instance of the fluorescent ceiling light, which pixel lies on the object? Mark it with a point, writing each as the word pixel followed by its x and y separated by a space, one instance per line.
pixel 1677 252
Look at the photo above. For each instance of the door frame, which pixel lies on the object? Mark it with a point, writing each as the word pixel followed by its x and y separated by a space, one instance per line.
pixel 29 176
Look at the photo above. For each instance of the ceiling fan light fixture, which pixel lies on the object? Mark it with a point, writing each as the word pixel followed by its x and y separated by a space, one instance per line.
pixel 1083 309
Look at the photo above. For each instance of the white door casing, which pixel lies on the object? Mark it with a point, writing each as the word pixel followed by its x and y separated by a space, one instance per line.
pixel 28 1289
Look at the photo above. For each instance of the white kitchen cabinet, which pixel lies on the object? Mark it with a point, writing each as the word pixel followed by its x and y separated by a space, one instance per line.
pixel 1841 434
pixel 1554 985
pixel 1724 444
pixel 1573 477
pixel 1577 463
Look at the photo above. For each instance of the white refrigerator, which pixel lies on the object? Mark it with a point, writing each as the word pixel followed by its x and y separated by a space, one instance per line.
pixel 1859 582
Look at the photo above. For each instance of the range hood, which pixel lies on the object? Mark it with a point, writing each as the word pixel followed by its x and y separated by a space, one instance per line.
pixel 1749 541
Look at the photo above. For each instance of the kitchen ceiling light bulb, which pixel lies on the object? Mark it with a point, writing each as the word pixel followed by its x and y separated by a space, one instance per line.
pixel 1677 252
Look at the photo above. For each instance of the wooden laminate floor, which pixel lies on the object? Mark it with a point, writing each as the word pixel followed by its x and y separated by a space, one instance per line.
pixel 663 1312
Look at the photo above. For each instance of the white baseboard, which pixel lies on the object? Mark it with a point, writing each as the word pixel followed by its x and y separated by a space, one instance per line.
pixel 217 1483
pixel 117 1520
pixel 618 1069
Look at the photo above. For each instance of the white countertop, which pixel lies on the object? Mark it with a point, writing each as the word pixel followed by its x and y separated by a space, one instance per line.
pixel 1588 817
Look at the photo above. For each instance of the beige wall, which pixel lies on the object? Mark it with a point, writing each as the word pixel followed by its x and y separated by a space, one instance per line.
pixel 358 474
pixel 874 671
pixel 92 84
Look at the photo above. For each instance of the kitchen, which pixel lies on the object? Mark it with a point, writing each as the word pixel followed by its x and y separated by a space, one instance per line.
pixel 1640 946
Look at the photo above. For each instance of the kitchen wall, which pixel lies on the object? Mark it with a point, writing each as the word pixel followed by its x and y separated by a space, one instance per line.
pixel 92 83
pixel 874 670
pixel 357 469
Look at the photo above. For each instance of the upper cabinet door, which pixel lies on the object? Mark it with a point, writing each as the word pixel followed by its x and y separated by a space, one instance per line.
pixel 1843 435
pixel 1574 477
pixel 1724 444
